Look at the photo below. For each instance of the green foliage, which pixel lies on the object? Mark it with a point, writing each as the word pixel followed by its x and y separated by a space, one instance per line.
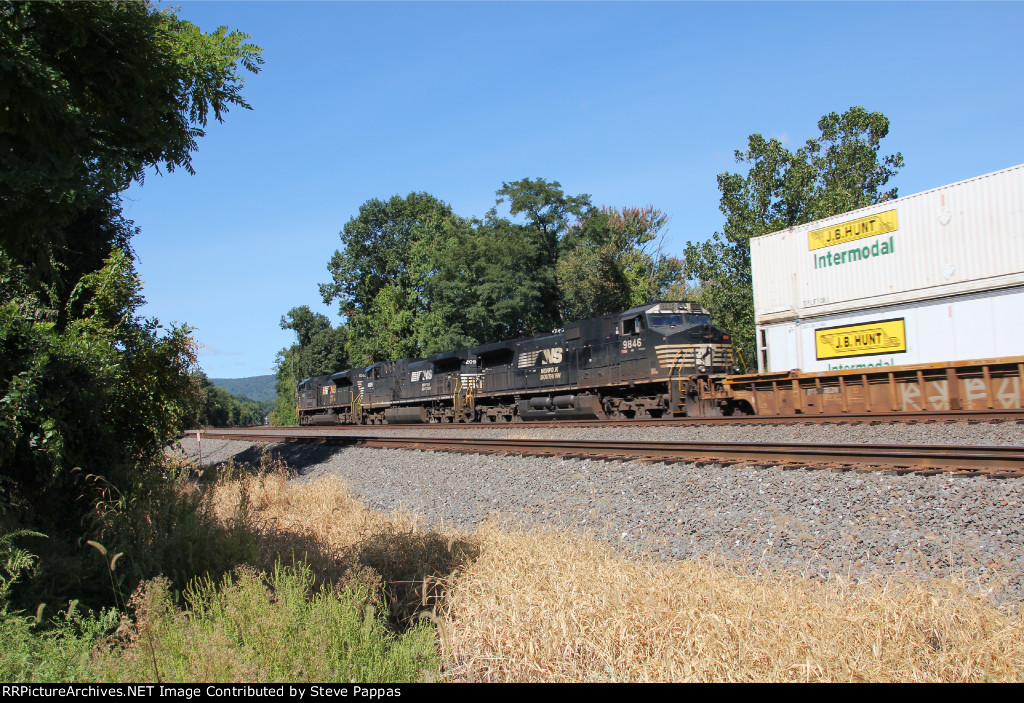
pixel 324 352
pixel 91 95
pixel 548 213
pixel 305 323
pixel 840 171
pixel 222 409
pixel 104 392
pixel 94 94
pixel 243 626
pixel 37 649
pixel 286 411
pixel 167 526
pixel 612 261
pixel 16 562
pixel 393 253
pixel 546 208
pixel 498 284
pixel 259 388
pixel 254 627
pixel 413 278
pixel 57 649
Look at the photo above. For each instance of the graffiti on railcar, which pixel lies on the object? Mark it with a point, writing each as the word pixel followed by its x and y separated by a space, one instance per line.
pixel 976 395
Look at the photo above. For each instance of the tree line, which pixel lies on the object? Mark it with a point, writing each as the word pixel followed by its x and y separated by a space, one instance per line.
pixel 220 408
pixel 413 277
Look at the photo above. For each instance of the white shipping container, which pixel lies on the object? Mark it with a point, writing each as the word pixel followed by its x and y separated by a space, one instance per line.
pixel 981 325
pixel 961 238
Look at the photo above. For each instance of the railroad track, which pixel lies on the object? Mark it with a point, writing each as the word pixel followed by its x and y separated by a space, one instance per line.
pixel 961 461
pixel 873 418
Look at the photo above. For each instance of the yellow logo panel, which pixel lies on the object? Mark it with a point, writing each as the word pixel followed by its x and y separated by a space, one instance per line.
pixel 852 230
pixel 883 337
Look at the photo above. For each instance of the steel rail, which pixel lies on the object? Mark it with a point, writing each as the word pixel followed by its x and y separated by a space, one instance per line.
pixel 1000 460
pixel 807 418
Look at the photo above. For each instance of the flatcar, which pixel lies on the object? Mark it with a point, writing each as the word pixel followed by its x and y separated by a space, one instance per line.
pixel 663 359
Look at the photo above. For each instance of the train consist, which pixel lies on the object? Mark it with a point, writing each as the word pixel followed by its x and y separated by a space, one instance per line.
pixel 660 360
pixel 663 359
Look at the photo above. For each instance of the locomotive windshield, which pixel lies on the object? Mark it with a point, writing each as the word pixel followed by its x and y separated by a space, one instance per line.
pixel 664 320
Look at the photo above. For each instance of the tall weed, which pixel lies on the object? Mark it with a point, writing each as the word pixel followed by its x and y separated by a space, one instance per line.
pixel 166 526
pixel 257 627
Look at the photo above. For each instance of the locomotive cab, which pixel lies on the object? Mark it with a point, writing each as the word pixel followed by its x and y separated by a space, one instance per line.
pixel 683 339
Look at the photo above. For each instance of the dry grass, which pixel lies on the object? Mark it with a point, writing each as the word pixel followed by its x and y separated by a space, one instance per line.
pixel 557 607
pixel 337 537
pixel 514 605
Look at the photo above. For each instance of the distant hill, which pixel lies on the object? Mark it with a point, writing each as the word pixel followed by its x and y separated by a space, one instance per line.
pixel 255 387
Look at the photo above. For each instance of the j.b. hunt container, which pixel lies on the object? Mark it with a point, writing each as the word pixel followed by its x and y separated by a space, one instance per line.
pixel 982 325
pixel 934 276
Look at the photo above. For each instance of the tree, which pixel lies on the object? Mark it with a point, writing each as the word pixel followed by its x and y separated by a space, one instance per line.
pixel 386 276
pixel 414 278
pixel 840 171
pixel 548 212
pixel 92 95
pixel 285 412
pixel 103 394
pixel 223 409
pixel 546 207
pixel 504 280
pixel 306 323
pixel 612 260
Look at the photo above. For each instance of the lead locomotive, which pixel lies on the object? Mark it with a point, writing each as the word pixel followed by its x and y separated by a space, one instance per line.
pixel 657 360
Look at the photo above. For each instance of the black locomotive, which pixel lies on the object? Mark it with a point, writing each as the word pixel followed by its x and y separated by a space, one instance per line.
pixel 655 360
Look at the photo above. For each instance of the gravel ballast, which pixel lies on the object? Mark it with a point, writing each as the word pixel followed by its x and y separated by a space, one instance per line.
pixel 815 522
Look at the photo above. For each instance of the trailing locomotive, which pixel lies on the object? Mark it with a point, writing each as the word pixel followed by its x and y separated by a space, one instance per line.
pixel 663 359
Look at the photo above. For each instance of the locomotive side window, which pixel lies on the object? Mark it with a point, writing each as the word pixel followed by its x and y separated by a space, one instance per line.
pixel 447 365
pixel 633 325
pixel 663 320
pixel 498 357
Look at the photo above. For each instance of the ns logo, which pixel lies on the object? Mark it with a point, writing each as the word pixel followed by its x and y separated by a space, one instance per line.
pixel 546 357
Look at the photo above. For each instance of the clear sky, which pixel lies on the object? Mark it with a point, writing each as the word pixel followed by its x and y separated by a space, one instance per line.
pixel 634 103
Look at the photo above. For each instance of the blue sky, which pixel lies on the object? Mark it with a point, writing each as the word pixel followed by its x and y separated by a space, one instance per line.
pixel 633 103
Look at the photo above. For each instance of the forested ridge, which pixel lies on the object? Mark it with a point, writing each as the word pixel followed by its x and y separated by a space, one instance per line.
pixel 221 408
pixel 258 388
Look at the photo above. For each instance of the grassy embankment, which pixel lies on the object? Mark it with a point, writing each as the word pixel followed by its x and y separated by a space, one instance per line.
pixel 504 604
